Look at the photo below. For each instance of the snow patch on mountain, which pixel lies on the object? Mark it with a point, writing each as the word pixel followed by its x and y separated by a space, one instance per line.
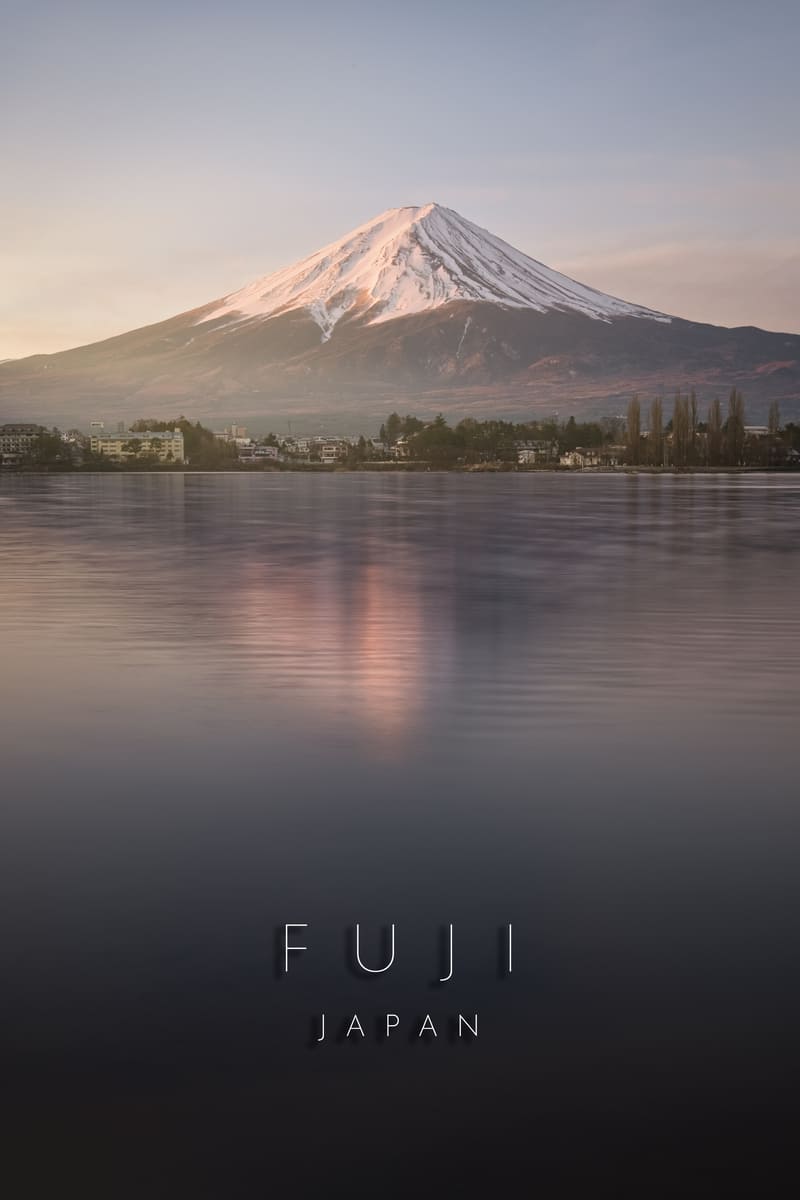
pixel 412 260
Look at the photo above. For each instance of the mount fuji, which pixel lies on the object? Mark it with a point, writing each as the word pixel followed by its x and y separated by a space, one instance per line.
pixel 415 260
pixel 417 309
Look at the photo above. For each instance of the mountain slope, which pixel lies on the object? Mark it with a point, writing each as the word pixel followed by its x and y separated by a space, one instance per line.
pixel 413 260
pixel 417 309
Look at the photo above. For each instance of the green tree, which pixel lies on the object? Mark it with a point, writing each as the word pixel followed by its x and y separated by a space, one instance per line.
pixel 714 433
pixel 49 446
pixel 393 428
pixel 358 453
pixel 633 435
pixel 569 438
pixel 437 443
pixel 774 419
pixel 681 431
pixel 693 427
pixel 734 429
pixel 656 437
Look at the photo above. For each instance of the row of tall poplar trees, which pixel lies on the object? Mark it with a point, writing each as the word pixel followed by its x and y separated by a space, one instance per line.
pixel 715 442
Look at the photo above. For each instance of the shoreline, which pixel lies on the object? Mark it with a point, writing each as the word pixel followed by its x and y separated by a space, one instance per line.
pixel 393 468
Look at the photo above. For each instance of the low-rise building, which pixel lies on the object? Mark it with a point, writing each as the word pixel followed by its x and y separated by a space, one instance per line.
pixel 531 453
pixel 580 458
pixel 167 446
pixel 253 452
pixel 233 433
pixel 332 451
pixel 18 440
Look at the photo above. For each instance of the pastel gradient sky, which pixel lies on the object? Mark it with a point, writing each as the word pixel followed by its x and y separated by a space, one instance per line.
pixel 159 154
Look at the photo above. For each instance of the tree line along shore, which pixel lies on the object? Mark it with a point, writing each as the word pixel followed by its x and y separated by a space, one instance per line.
pixel 649 438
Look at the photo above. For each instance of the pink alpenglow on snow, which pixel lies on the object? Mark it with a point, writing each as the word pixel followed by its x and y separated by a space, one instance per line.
pixel 412 260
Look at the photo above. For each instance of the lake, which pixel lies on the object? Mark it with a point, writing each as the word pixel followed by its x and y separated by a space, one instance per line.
pixel 230 702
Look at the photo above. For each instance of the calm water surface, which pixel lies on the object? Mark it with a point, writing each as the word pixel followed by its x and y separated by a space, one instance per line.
pixel 229 701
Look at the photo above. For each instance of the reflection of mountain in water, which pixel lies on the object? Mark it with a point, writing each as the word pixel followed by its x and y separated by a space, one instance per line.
pixel 408 608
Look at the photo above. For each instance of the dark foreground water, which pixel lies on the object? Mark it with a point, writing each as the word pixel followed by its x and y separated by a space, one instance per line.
pixel 569 703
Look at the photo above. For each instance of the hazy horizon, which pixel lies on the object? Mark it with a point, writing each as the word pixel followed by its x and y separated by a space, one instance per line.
pixel 160 159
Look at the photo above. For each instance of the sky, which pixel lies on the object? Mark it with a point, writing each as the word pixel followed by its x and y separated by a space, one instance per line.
pixel 159 154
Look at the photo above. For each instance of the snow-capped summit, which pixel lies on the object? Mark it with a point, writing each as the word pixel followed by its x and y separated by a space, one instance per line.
pixel 412 260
